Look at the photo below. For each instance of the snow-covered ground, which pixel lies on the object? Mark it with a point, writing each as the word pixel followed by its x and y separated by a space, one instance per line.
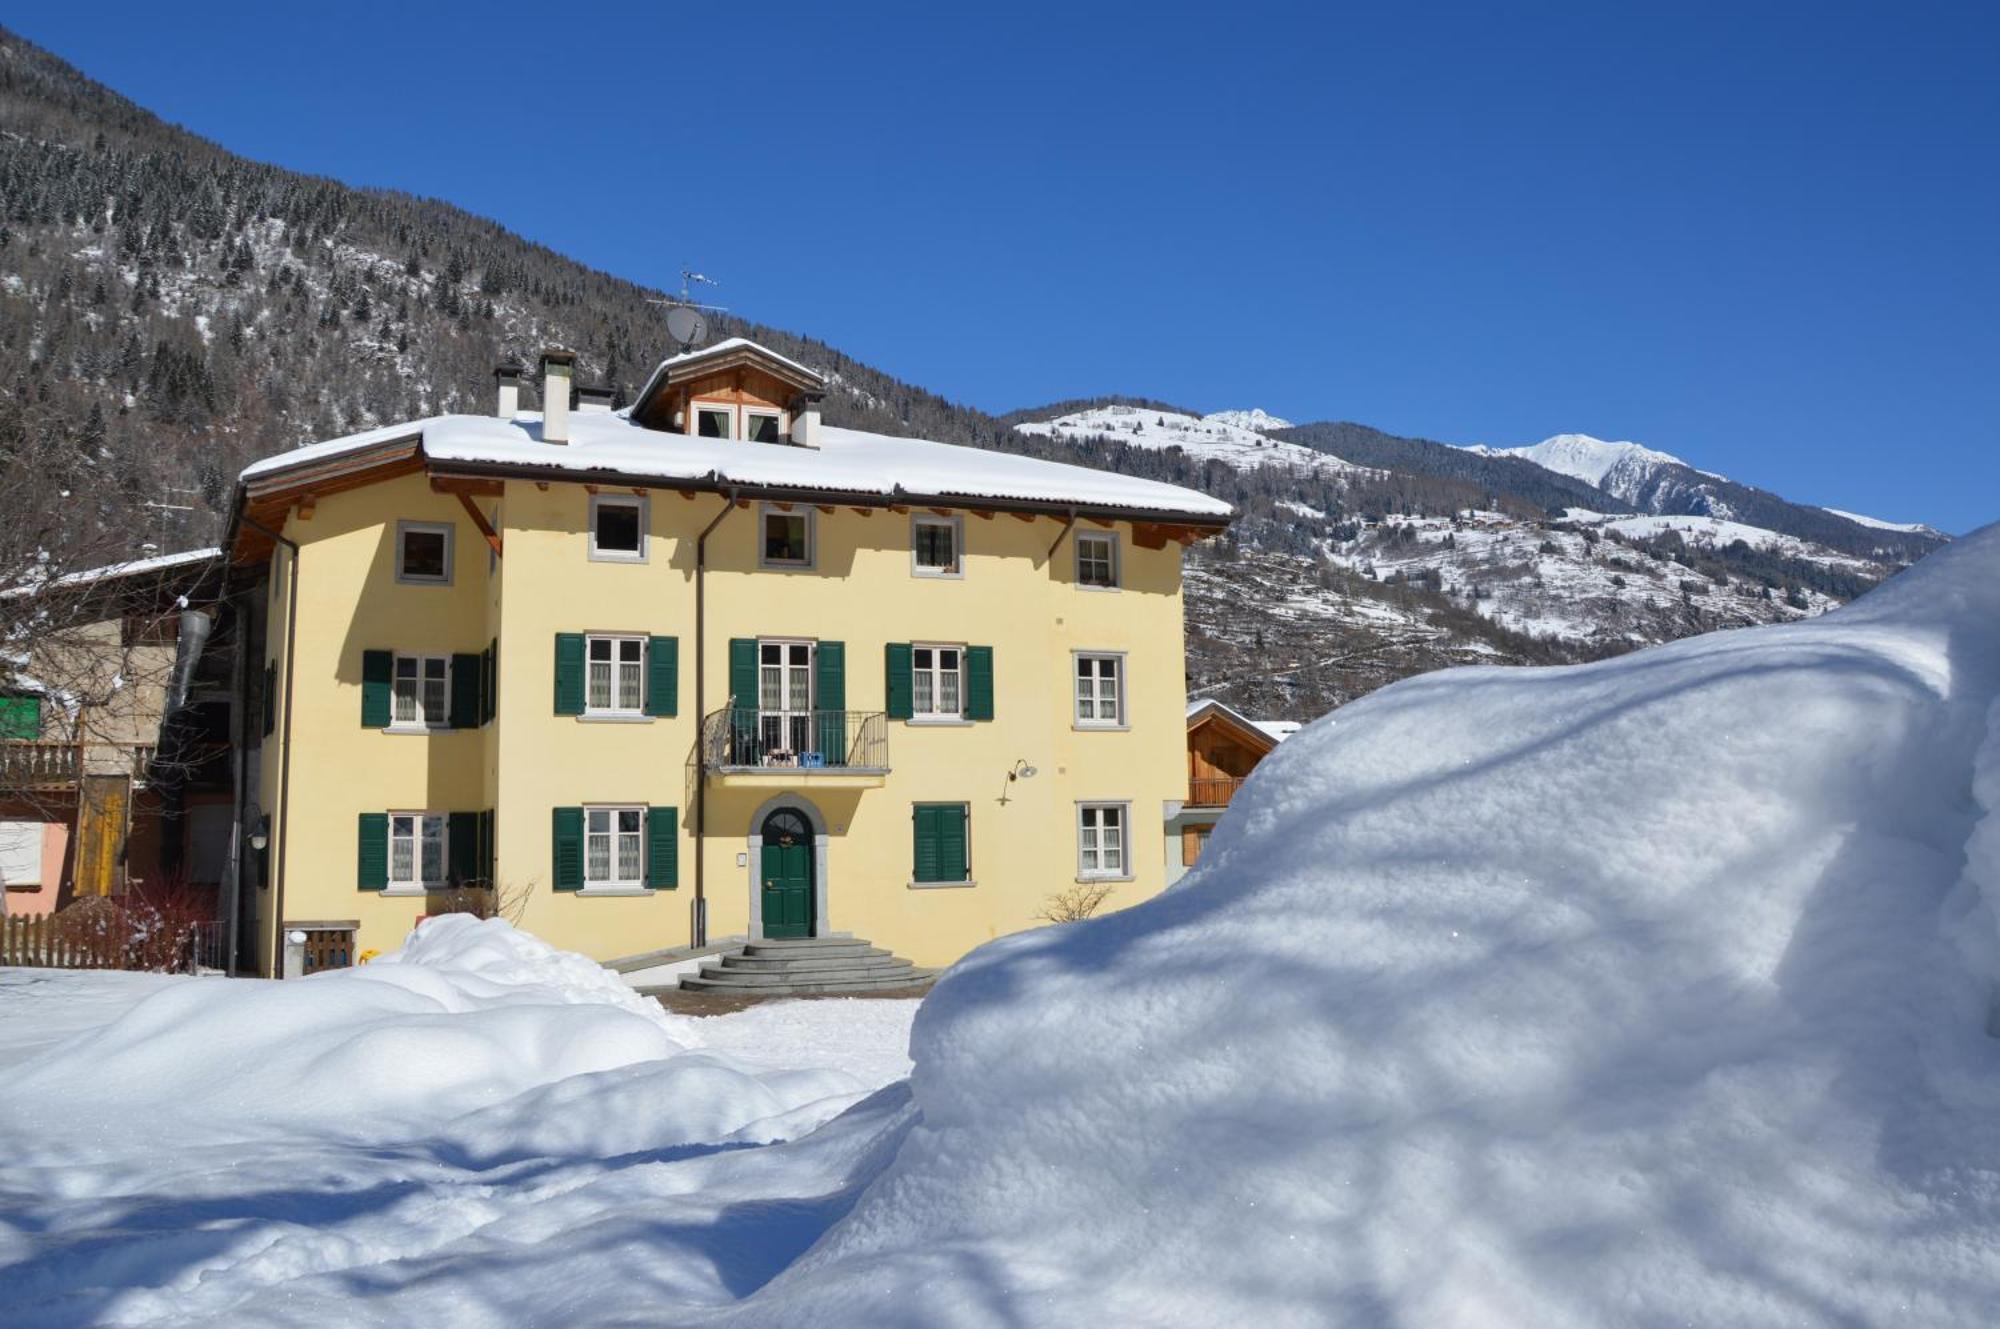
pixel 476 1131
pixel 1654 991
pixel 1231 436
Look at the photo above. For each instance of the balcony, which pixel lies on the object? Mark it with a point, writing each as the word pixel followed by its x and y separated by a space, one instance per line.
pixel 750 747
pixel 1213 791
pixel 38 764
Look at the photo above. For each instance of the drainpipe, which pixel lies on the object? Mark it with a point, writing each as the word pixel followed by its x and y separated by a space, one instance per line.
pixel 698 933
pixel 285 762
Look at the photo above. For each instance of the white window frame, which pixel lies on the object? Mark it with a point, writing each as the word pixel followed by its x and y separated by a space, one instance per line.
pixel 614 710
pixel 765 512
pixel 645 508
pixel 422 724
pixel 1086 872
pixel 417 883
pixel 749 413
pixel 614 884
pixel 723 408
pixel 956 525
pixel 1123 688
pixel 1117 560
pixel 935 716
pixel 404 529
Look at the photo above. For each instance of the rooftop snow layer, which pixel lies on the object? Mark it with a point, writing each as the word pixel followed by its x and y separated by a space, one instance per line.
pixel 847 461
pixel 1650 991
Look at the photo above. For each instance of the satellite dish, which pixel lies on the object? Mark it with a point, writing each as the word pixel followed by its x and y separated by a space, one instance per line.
pixel 686 325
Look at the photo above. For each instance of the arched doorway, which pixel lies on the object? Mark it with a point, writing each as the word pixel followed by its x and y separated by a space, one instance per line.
pixel 786 864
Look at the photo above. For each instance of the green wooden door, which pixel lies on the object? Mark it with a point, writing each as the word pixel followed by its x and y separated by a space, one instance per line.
pixel 788 875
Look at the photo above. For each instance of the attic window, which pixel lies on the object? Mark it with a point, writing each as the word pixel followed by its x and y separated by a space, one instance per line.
pixel 712 421
pixel 618 528
pixel 760 426
pixel 423 552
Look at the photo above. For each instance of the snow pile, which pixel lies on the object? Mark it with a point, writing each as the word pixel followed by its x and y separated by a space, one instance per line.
pixel 1653 991
pixel 473 1024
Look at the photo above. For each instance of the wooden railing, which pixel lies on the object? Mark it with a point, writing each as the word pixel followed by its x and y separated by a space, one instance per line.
pixel 34 763
pixel 42 942
pixel 1213 791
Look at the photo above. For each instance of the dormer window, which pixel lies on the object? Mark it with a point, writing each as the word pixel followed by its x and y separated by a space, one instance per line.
pixel 713 421
pixel 760 426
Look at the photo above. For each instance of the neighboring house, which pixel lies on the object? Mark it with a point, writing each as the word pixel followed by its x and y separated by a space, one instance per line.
pixel 1223 747
pixel 99 789
pixel 706 668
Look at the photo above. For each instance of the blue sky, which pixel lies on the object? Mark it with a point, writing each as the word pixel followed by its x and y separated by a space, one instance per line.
pixel 1764 237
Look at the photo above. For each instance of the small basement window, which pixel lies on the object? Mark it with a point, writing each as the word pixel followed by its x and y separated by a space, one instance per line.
pixel 785 538
pixel 760 426
pixel 618 528
pixel 713 421
pixel 423 552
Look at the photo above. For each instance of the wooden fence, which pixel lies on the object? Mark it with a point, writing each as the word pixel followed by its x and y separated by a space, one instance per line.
pixel 43 942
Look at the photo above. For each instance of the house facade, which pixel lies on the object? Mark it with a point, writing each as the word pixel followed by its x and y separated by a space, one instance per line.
pixel 705 669
pixel 1223 747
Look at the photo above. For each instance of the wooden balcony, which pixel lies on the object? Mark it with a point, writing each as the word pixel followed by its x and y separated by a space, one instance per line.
pixel 1213 792
pixel 38 764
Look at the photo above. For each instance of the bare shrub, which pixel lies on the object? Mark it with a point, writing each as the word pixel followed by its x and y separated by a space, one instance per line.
pixel 1073 904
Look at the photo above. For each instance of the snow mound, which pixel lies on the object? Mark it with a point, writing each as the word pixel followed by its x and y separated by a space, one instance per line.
pixel 1651 991
pixel 472 1020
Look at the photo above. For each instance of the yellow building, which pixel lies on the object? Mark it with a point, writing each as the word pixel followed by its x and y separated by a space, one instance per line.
pixel 707 669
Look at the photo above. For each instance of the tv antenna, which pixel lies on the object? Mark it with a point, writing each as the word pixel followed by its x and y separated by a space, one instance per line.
pixel 685 321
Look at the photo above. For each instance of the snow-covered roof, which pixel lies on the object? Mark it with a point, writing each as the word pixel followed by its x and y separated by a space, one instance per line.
pixel 130 568
pixel 847 461
pixel 1277 730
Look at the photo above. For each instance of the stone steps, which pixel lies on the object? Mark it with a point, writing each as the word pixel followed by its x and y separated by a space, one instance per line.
pixel 805 965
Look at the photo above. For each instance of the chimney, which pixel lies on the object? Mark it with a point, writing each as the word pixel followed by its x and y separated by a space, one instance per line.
pixel 594 399
pixel 558 367
pixel 508 376
pixel 805 419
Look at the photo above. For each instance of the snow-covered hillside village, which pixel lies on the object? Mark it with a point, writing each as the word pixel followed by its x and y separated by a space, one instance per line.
pixel 536 797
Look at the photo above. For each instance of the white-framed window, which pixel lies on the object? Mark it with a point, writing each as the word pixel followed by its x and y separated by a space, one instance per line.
pixel 937 682
pixel 1100 690
pixel 1097 560
pixel 937 546
pixel 423 552
pixel 416 850
pixel 714 421
pixel 785 536
pixel 420 692
pixel 614 675
pixel 618 528
pixel 1103 843
pixel 614 848
pixel 762 426
pixel 785 699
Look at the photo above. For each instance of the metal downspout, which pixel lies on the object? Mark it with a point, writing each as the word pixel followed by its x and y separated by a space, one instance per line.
pixel 284 762
pixel 698 932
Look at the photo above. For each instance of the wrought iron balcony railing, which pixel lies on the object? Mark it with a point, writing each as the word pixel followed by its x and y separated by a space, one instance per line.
pixel 826 742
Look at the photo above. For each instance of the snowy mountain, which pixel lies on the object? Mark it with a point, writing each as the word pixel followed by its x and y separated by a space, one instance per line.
pixel 1619 469
pixel 1235 437
pixel 1876 523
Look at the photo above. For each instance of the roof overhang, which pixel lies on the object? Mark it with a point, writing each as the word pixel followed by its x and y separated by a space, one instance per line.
pixel 1210 711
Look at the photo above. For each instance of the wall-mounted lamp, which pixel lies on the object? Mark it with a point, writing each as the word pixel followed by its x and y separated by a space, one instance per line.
pixel 1020 770
pixel 260 832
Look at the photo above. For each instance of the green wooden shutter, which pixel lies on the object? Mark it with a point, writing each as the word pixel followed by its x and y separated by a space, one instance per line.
pixel 461 834
pixel 488 702
pixel 952 861
pixel 830 700
pixel 569 673
pixel 924 865
pixel 896 684
pixel 21 718
pixel 743 673
pixel 373 873
pixel 377 669
pixel 663 676
pixel 270 698
pixel 465 680
pixel 979 682
pixel 568 840
pixel 663 848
